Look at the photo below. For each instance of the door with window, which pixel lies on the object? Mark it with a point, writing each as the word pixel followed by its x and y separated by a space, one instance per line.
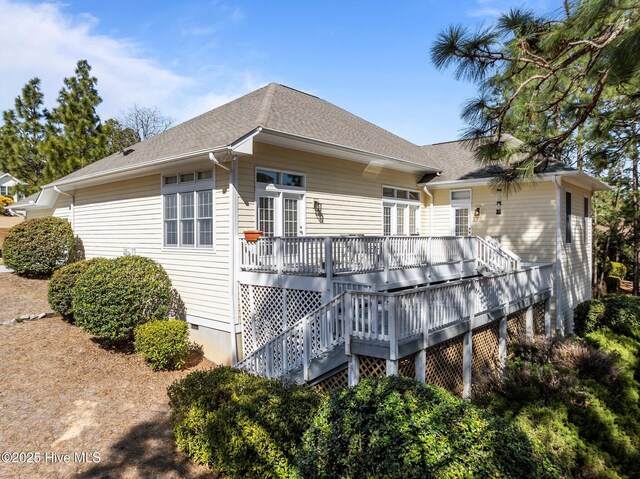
pixel 280 214
pixel 461 213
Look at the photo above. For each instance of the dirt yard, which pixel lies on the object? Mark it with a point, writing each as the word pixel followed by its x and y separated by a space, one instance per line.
pixel 20 296
pixel 61 393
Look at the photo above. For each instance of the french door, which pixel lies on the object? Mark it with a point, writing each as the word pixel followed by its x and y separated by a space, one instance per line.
pixel 280 214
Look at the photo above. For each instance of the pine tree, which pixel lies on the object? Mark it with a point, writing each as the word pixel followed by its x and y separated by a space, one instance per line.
pixel 21 138
pixel 75 136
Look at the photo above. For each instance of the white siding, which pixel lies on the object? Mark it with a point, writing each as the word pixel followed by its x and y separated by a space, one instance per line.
pixel 61 209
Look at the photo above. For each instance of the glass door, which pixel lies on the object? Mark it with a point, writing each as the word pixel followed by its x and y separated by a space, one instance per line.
pixel 461 225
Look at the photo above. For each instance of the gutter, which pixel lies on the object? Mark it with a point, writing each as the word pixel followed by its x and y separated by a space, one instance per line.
pixel 558 263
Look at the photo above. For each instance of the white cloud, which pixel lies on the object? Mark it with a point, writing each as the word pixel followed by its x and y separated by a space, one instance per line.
pixel 43 40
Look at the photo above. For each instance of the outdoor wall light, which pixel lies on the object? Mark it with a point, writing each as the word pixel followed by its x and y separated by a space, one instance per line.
pixel 498 202
pixel 317 206
pixel 476 212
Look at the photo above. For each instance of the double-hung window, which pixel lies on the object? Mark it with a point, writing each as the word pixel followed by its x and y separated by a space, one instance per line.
pixel 4 191
pixel 400 211
pixel 188 210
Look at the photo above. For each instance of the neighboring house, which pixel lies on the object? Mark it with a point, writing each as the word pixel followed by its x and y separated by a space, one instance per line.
pixel 347 210
pixel 7 182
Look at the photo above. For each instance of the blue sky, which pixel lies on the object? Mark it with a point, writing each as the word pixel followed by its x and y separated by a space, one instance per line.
pixel 368 57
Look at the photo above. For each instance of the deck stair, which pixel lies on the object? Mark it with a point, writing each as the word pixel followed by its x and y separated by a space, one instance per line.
pixel 394 325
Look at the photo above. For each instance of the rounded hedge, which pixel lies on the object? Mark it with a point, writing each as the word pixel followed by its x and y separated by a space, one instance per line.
pixel 241 425
pixel 39 246
pixel 619 312
pixel 112 297
pixel 163 344
pixel 63 283
pixel 398 428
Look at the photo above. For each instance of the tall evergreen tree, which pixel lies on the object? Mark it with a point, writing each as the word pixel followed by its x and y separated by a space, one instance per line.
pixel 21 138
pixel 566 84
pixel 75 136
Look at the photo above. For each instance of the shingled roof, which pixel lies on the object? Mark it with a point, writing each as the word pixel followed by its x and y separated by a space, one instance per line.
pixel 456 160
pixel 273 107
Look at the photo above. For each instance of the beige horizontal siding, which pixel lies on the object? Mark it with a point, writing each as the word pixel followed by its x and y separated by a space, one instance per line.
pixel 350 193
pixel 127 214
pixel 526 225
pixel 576 256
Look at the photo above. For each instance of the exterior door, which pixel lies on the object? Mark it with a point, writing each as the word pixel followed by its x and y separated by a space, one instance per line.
pixel 460 212
pixel 461 225
pixel 280 214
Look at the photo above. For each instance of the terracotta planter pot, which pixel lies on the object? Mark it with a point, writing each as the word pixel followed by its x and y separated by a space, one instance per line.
pixel 252 235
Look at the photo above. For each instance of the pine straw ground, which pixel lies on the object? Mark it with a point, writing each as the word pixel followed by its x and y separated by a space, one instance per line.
pixel 62 393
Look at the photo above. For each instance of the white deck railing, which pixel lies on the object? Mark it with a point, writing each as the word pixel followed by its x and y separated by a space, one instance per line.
pixel 310 255
pixel 392 317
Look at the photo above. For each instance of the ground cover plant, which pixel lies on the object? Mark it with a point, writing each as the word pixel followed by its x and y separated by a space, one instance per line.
pixel 579 396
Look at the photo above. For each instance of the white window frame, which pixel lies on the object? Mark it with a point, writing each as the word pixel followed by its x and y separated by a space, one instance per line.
pixel 280 193
pixel 193 187
pixel 460 203
pixel 5 189
pixel 395 203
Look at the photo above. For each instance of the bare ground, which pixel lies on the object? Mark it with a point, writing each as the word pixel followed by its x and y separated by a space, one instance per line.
pixel 20 296
pixel 62 393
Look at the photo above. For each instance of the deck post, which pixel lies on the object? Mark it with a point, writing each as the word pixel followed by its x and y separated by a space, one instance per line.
pixel 348 321
pixel 269 353
pixel 502 342
pixel 386 257
pixel 529 323
pixel 392 367
pixel 467 358
pixel 354 370
pixel 328 269
pixel 306 346
pixel 547 317
pixel 393 330
pixel 421 366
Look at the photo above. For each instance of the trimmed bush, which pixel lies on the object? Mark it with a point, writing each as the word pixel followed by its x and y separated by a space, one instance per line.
pixel 62 285
pixel 5 201
pixel 618 270
pixel 37 247
pixel 398 428
pixel 112 297
pixel 618 312
pixel 163 344
pixel 241 425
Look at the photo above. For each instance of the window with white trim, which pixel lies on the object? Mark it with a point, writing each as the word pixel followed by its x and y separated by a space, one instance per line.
pixel 187 207
pixel 400 211
pixel 280 209
pixel 587 221
pixel 4 191
pixel 567 217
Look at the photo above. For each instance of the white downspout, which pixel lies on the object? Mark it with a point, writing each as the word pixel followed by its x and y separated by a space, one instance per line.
pixel 233 255
pixel 426 190
pixel 71 206
pixel 558 265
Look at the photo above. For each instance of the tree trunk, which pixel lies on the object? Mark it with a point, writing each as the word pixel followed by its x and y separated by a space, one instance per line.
pixel 636 222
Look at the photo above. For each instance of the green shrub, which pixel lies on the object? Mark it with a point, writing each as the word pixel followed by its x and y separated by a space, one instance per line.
pixel 618 312
pixel 241 425
pixel 577 399
pixel 62 285
pixel 398 428
pixel 618 270
pixel 612 283
pixel 163 344
pixel 38 247
pixel 112 297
